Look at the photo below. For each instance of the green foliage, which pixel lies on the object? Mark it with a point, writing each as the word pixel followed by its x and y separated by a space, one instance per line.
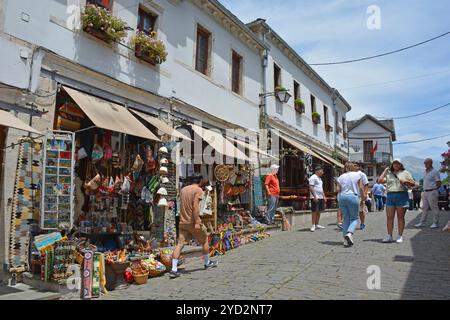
pixel 316 115
pixel 280 89
pixel 150 46
pixel 100 19
pixel 299 103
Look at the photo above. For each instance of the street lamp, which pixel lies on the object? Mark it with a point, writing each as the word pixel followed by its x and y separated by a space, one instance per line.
pixel 284 96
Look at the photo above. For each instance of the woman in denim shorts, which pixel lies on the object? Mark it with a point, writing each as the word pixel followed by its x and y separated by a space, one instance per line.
pixel 397 181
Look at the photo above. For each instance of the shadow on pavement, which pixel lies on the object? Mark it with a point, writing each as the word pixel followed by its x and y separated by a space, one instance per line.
pixel 332 243
pixel 374 240
pixel 429 276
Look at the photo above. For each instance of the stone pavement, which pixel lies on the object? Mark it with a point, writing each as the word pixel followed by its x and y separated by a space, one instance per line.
pixel 304 265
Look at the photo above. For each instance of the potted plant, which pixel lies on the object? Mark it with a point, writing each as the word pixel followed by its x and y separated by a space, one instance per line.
pixel 345 135
pixel 299 105
pixel 100 23
pixel 148 48
pixel 316 117
pixel 328 128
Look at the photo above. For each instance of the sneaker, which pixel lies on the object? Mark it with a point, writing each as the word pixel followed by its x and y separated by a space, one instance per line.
pixel 211 264
pixel 419 225
pixel 399 239
pixel 174 274
pixel 318 226
pixel 313 228
pixel 340 226
pixel 388 239
pixel 362 226
pixel 434 226
pixel 349 238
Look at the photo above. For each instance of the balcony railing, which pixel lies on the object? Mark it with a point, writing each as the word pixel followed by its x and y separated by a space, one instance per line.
pixel 378 157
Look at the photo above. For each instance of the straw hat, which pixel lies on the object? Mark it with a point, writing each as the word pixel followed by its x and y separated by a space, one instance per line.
pixel 164 161
pixel 163 150
pixel 163 170
pixel 163 202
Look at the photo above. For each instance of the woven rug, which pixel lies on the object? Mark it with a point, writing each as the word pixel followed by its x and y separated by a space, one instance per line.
pixel 26 201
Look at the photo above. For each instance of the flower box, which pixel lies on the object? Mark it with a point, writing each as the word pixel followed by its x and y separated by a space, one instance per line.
pixel 328 128
pixel 99 34
pixel 316 118
pixel 345 135
pixel 139 53
pixel 299 106
pixel 149 48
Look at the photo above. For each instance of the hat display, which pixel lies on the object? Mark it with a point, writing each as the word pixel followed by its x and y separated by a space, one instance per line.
pixel 163 170
pixel 164 161
pixel 163 202
pixel 163 150
pixel 162 191
pixel 165 180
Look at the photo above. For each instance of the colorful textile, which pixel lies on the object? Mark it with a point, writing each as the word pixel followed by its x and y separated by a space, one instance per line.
pixel 26 201
pixel 87 274
pixel 96 275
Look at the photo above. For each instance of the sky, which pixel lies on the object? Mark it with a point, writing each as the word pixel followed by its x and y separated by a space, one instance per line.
pixel 336 30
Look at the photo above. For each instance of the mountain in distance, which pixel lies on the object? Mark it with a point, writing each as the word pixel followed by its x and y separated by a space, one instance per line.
pixel 415 166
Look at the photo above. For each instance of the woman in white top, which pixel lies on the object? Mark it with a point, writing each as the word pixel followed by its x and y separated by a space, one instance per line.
pixel 350 187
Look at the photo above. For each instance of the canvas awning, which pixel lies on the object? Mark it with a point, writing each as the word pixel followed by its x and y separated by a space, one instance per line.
pixel 334 161
pixel 302 148
pixel 110 116
pixel 161 125
pixel 8 120
pixel 252 148
pixel 219 143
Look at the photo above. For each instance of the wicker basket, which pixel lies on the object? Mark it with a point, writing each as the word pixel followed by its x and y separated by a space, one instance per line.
pixel 152 273
pixel 166 260
pixel 79 258
pixel 140 278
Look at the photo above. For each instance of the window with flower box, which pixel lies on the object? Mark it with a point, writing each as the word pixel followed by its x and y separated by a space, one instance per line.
pixel 146 21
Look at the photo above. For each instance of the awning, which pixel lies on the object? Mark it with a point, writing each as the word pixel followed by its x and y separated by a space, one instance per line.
pixel 252 148
pixel 302 148
pixel 8 120
pixel 110 116
pixel 161 125
pixel 330 159
pixel 219 143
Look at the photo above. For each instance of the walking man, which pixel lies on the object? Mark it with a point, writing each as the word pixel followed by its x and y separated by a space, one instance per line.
pixel 378 191
pixel 191 225
pixel 318 198
pixel 430 195
pixel 365 181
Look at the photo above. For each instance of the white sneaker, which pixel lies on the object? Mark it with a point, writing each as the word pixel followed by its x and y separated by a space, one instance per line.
pixel 349 238
pixel 399 239
pixel 388 239
pixel 318 226
pixel 419 225
pixel 434 226
pixel 313 228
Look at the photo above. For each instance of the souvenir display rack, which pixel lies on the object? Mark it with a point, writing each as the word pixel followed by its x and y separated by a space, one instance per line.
pixel 58 180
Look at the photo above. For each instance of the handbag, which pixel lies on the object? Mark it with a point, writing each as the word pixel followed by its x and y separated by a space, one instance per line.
pixel 206 205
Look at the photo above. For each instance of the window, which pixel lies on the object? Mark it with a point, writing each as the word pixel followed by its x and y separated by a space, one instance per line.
pixel 236 76
pixel 276 76
pixel 336 121
pixel 146 21
pixel 101 3
pixel 297 94
pixel 344 126
pixel 313 104
pixel 325 113
pixel 202 53
pixel 368 148
pixel 370 172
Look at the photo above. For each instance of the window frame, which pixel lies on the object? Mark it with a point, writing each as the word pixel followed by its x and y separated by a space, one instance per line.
pixel 312 100
pixel 276 79
pixel 297 90
pixel 200 30
pixel 325 115
pixel 144 11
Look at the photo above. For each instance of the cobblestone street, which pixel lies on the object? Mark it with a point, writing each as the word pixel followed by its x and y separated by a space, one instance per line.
pixel 305 265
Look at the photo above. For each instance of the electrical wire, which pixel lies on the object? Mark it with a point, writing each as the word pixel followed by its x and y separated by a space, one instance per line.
pixel 395 81
pixel 418 141
pixel 382 54
pixel 416 115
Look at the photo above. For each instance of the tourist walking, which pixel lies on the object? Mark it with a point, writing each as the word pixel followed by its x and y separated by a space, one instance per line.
pixel 318 198
pixel 378 192
pixel 362 209
pixel 430 195
pixel 350 190
pixel 397 180
pixel 273 190
pixel 191 225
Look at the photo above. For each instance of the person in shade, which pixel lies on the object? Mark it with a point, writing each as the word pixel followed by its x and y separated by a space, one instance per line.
pixel 350 190
pixel 378 192
pixel 397 180
pixel 273 190
pixel 191 225
pixel 318 198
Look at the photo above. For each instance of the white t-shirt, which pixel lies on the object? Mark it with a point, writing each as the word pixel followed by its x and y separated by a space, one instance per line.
pixel 349 183
pixel 317 183
pixel 430 178
pixel 365 181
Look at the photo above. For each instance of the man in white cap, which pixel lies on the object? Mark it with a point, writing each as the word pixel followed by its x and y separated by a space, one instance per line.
pixel 318 198
pixel 273 191
pixel 430 195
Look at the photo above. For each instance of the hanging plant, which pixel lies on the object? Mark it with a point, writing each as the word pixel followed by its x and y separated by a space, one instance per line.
pixel 280 88
pixel 316 117
pixel 100 23
pixel 299 105
pixel 149 48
